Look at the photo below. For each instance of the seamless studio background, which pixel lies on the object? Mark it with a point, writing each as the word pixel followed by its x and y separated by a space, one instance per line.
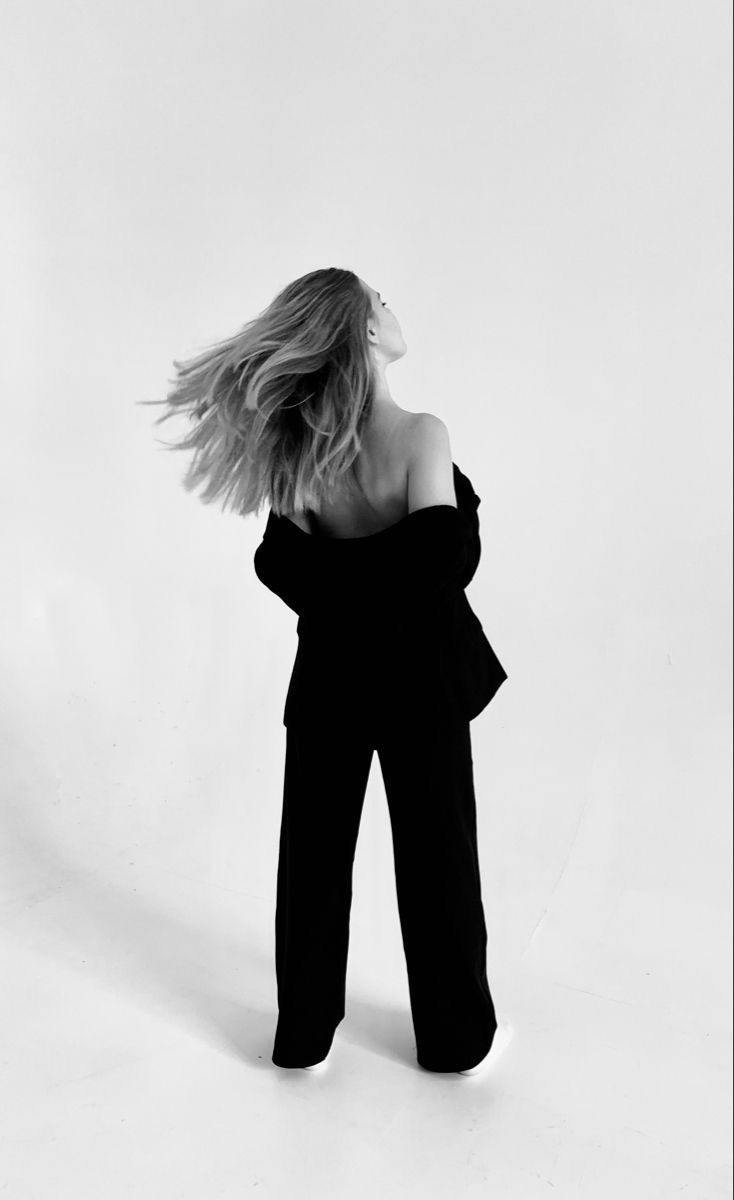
pixel 542 192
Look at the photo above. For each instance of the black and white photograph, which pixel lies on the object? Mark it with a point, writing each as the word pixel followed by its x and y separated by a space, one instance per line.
pixel 366 642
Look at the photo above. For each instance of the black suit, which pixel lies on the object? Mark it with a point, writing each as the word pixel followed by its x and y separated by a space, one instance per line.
pixel 384 620
pixel 391 657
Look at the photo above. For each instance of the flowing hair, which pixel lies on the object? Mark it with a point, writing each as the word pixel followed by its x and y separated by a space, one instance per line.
pixel 280 406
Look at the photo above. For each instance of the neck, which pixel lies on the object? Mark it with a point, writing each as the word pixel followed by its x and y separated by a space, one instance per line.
pixel 383 400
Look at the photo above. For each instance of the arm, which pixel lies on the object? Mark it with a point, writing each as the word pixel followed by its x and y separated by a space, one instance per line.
pixel 431 481
pixel 430 469
pixel 437 557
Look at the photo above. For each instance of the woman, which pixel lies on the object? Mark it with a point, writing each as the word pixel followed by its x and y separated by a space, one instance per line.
pixel 371 538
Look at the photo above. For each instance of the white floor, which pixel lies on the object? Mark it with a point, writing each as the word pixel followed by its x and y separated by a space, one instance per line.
pixel 136 1043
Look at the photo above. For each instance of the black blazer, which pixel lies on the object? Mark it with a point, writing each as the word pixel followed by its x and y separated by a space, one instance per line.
pixel 385 630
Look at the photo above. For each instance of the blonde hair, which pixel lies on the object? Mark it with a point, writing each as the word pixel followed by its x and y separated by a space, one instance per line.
pixel 281 405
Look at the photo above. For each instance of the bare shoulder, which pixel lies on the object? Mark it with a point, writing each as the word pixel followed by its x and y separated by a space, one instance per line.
pixel 421 434
pixel 428 430
pixel 430 466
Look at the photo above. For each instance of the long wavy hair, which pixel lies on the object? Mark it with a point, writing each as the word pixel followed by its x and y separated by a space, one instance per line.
pixel 280 406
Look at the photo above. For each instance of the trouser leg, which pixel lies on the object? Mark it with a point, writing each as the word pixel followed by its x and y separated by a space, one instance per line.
pixel 428 776
pixel 324 785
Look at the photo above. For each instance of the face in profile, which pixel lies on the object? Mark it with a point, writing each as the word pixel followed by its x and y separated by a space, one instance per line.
pixel 384 330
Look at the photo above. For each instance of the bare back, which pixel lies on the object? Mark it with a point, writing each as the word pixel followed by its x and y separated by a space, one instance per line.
pixel 382 470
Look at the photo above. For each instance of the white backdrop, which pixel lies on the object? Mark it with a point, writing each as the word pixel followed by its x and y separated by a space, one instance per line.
pixel 542 192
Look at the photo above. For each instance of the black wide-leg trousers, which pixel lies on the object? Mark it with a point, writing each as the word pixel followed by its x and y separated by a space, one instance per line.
pixel 428 776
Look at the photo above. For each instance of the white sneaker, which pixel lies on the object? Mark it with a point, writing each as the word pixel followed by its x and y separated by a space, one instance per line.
pixel 501 1040
pixel 319 1066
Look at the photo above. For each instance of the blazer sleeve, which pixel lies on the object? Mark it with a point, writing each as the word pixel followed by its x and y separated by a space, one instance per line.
pixel 442 549
pixel 469 502
pixel 282 568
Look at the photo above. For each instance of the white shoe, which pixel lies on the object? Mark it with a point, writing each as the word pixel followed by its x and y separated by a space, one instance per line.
pixel 501 1040
pixel 319 1066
